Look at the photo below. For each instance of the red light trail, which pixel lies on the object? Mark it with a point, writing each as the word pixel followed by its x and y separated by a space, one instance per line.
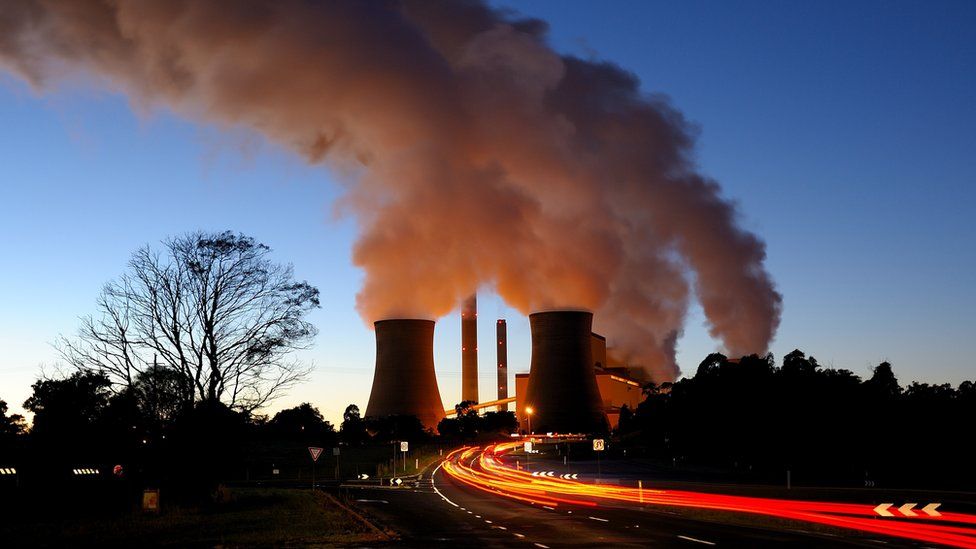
pixel 487 471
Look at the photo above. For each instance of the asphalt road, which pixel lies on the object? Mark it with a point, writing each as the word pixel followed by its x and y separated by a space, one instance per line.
pixel 440 513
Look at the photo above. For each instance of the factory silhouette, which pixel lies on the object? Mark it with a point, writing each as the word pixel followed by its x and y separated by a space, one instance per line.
pixel 570 388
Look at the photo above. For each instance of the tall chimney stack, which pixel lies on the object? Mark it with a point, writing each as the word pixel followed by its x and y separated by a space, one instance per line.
pixel 469 349
pixel 501 334
pixel 404 382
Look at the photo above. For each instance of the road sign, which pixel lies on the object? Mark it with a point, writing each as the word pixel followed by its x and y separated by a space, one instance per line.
pixel 275 472
pixel 404 446
pixel 397 481
pixel 363 476
pixel 150 501
pixel 528 447
pixel 569 476
pixel 335 451
pixel 907 510
pixel 598 445
pixel 316 452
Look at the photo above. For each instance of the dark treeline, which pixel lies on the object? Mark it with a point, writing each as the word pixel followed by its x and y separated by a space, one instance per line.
pixel 83 420
pixel 823 425
pixel 468 425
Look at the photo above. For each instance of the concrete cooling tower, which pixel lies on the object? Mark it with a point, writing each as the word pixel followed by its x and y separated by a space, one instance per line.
pixel 404 381
pixel 562 389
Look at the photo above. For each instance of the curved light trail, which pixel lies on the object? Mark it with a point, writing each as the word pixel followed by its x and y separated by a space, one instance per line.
pixel 486 470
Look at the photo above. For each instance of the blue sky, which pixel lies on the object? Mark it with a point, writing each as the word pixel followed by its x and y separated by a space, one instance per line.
pixel 846 133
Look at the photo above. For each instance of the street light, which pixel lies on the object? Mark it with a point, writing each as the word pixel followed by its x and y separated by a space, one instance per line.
pixel 528 412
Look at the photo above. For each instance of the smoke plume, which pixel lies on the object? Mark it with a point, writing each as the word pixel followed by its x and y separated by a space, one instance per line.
pixel 477 156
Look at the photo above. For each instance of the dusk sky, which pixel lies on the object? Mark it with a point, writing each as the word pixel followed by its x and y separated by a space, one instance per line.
pixel 845 133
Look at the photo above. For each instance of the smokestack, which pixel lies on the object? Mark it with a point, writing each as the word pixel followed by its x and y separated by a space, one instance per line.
pixel 501 334
pixel 404 381
pixel 562 389
pixel 469 349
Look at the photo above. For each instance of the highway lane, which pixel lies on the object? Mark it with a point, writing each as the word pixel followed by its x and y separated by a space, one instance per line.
pixel 440 512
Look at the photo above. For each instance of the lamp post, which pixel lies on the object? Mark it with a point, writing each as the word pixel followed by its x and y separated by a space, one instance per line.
pixel 528 413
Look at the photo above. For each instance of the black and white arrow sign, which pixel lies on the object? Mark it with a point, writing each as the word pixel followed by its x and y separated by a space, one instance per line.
pixel 572 476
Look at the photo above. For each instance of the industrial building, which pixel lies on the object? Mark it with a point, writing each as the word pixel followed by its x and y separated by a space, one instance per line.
pixel 404 382
pixel 615 384
pixel 469 349
pixel 570 387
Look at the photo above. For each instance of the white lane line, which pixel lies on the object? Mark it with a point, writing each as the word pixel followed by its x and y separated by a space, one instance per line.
pixel 547 507
pixel 520 536
pixel 477 516
pixel 599 519
pixel 501 527
pixel 435 487
pixel 542 546
pixel 488 521
pixel 696 540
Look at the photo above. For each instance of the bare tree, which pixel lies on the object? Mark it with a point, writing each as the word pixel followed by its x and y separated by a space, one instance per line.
pixel 210 308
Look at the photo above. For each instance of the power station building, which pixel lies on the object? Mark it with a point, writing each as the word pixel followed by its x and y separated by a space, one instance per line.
pixel 404 382
pixel 615 385
pixel 570 387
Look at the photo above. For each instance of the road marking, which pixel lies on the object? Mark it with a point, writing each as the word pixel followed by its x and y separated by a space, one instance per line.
pixel 501 528
pixel 477 516
pixel 435 487
pixel 488 521
pixel 372 501
pixel 696 540
pixel 542 546
pixel 599 519
pixel 547 507
pixel 520 536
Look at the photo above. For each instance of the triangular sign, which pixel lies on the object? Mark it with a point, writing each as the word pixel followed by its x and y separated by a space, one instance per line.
pixel 315 452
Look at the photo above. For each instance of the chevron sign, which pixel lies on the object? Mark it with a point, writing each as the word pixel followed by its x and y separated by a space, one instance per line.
pixel 907 510
pixel 543 473
pixel 571 476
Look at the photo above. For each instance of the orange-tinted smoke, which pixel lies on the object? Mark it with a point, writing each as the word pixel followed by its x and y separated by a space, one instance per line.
pixel 477 156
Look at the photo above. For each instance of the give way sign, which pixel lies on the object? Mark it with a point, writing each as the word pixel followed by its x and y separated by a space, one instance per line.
pixel 316 452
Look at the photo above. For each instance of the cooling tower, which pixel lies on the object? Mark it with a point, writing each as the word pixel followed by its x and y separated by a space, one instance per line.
pixel 562 390
pixel 501 334
pixel 404 381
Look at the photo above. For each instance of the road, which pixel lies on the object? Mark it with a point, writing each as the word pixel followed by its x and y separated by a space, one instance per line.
pixel 442 512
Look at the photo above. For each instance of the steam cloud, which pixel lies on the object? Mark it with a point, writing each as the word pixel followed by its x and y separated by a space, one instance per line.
pixel 477 155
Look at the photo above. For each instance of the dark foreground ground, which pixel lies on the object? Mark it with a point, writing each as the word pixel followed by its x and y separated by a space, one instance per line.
pixel 251 517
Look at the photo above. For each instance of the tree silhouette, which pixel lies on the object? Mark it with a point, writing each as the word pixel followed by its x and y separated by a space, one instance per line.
pixel 214 310
pixel 303 422
pixel 353 428
pixel 69 408
pixel 753 418
pixel 10 426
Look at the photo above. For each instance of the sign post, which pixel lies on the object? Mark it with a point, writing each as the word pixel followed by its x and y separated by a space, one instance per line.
pixel 315 453
pixel 404 447
pixel 598 448
pixel 335 452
